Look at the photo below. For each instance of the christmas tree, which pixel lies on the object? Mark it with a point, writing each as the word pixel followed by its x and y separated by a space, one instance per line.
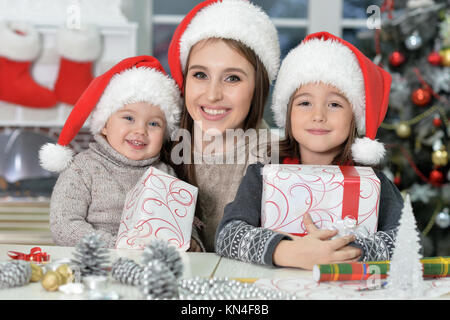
pixel 413 44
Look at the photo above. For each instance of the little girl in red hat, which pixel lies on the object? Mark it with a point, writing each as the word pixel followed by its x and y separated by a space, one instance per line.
pixel 330 99
pixel 133 108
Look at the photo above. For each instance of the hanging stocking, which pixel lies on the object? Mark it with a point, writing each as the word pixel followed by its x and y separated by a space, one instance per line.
pixel 78 50
pixel 20 45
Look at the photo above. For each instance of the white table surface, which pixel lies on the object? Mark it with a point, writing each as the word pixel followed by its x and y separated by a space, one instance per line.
pixel 237 269
pixel 195 265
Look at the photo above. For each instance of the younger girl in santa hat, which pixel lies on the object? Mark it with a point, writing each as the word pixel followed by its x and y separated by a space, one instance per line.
pixel 133 108
pixel 326 96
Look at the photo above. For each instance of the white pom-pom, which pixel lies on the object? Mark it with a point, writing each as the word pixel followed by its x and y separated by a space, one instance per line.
pixel 367 151
pixel 54 157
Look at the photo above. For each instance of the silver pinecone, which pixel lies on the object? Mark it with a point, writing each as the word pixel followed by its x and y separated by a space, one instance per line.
pixel 126 271
pixel 14 274
pixel 160 250
pixel 157 282
pixel 91 256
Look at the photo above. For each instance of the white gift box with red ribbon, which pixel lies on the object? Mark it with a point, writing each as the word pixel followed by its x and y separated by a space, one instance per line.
pixel 334 196
pixel 160 206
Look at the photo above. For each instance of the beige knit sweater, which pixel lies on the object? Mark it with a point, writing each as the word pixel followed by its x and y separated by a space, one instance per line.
pixel 218 184
pixel 89 195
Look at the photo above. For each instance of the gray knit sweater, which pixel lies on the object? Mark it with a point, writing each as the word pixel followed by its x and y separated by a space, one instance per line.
pixel 89 195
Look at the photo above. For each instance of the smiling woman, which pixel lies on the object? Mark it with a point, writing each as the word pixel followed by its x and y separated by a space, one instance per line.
pixel 223 56
pixel 220 83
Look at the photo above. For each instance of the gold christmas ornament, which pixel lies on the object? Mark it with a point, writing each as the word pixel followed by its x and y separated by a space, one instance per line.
pixel 440 157
pixel 445 55
pixel 403 130
pixel 66 273
pixel 36 273
pixel 52 280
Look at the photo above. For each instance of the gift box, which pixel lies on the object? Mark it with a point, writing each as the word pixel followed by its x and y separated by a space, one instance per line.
pixel 160 206
pixel 345 198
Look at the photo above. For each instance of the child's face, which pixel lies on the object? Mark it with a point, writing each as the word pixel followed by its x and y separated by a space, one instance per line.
pixel 320 121
pixel 219 86
pixel 136 131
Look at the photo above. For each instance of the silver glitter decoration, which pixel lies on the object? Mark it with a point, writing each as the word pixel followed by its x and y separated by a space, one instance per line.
pixel 14 274
pixel 443 219
pixel 91 256
pixel 157 282
pixel 414 41
pixel 160 250
pixel 226 289
pixel 126 271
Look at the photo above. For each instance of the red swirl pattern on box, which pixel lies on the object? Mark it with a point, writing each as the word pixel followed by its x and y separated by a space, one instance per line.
pixel 290 191
pixel 160 206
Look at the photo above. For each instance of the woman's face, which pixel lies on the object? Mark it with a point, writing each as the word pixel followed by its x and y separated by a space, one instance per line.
pixel 220 83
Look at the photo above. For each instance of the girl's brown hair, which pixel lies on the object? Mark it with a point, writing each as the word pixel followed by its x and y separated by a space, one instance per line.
pixel 254 116
pixel 288 146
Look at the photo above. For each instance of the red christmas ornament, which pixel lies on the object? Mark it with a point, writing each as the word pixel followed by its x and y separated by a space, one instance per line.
pixel 434 58
pixel 397 179
pixel 436 176
pixel 437 122
pixel 421 97
pixel 396 58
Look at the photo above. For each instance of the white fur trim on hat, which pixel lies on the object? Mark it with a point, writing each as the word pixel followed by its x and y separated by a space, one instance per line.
pixel 16 46
pixel 81 45
pixel 325 61
pixel 238 20
pixel 367 151
pixel 54 157
pixel 138 85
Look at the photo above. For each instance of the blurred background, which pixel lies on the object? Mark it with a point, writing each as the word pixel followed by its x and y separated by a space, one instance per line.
pixel 409 38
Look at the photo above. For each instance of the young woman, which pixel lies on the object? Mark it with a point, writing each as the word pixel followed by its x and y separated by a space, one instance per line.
pixel 223 55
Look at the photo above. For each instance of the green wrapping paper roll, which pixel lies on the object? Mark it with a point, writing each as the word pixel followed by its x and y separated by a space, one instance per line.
pixel 433 267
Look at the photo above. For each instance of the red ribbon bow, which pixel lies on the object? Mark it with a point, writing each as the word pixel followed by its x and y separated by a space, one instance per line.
pixel 350 201
pixel 35 255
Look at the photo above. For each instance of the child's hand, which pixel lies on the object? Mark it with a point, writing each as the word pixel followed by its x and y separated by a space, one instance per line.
pixel 352 252
pixel 315 248
pixel 195 247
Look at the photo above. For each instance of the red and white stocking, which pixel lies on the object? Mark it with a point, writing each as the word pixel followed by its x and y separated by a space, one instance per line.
pixel 78 50
pixel 20 45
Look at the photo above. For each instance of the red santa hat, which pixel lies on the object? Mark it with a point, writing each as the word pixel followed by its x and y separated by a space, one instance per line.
pixel 136 79
pixel 226 19
pixel 323 57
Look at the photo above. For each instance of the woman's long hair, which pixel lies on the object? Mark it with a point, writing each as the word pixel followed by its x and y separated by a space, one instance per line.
pixel 262 85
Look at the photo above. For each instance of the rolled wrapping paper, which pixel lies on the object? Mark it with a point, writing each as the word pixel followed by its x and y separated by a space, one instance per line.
pixel 433 267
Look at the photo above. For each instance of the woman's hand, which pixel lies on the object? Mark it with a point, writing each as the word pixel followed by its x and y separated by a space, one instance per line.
pixel 195 247
pixel 315 248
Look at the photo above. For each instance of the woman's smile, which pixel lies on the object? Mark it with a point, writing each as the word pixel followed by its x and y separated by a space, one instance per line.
pixel 214 113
